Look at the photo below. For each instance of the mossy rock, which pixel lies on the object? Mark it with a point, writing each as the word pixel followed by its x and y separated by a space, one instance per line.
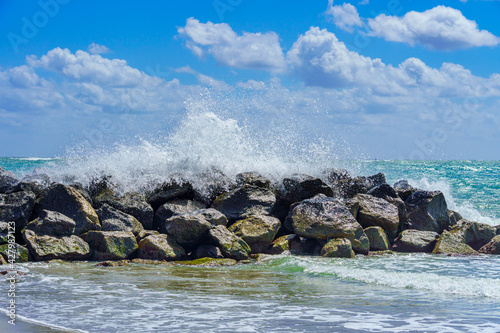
pixel 378 238
pixel 111 245
pixel 452 242
pixel 22 253
pixel 338 248
pixel 208 262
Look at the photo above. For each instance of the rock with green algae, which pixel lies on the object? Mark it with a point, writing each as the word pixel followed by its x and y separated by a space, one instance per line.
pixel 145 233
pixel 110 245
pixel 160 247
pixel 281 244
pixel 493 247
pixel 21 253
pixel 43 248
pixel 465 237
pixel 411 240
pixel 258 231
pixel 378 238
pixel 338 248
pixel 231 245
pixel 208 262
pixel 151 262
pixel 452 242
pixel 114 220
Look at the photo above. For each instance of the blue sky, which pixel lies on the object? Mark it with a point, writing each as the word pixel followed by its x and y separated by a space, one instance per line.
pixel 380 79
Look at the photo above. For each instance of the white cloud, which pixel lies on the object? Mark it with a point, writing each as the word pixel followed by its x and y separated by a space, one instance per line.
pixel 249 51
pixel 364 2
pixel 95 48
pixel 345 17
pixel 440 28
pixel 252 85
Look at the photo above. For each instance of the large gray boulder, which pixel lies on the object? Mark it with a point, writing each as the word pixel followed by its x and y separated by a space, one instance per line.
pixel 349 187
pixel 110 245
pixel 427 211
pixel 452 242
pixel 374 211
pixel 132 203
pixel 411 240
pixel 245 201
pixel 70 202
pixel 48 247
pixel 175 188
pixel 174 207
pixel 114 220
pixel 231 245
pixel 324 218
pixel 378 239
pixel 17 207
pixel 189 228
pixel 493 247
pixel 382 191
pixel 258 231
pixel 52 224
pixel 299 187
pixel 16 252
pixel 160 247
pixel 7 180
pixel 465 237
pixel 338 248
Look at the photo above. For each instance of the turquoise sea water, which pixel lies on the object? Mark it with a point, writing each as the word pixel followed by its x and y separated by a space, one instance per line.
pixel 393 293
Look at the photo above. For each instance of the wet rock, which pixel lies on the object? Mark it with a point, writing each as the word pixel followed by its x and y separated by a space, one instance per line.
pixel 7 180
pixel 110 245
pixel 299 187
pixel 114 220
pixel 175 207
pixel 212 215
pixel 411 240
pixel 19 252
pixel 160 247
pixel 68 201
pixel 333 176
pixel 27 187
pixel 188 229
pixel 52 224
pixel 402 212
pixel 17 207
pixel 378 239
pixel 112 263
pixel 325 218
pixel 173 189
pixel 245 201
pixel 83 191
pixel 145 233
pixel 475 234
pixel 382 191
pixel 306 246
pixel 427 211
pixel 452 242
pixel 231 245
pixel 208 250
pixel 211 262
pixel 404 189
pixel 281 244
pixel 493 247
pixel 252 178
pixel 348 188
pixel 4 233
pixel 454 217
pixel 46 247
pixel 132 203
pixel 209 185
pixel 258 231
pixel 374 211
pixel 338 248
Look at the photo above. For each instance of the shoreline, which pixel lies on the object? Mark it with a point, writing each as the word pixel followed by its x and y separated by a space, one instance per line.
pixel 26 325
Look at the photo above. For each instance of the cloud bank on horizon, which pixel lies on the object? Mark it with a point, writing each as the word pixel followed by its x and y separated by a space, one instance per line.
pixel 316 78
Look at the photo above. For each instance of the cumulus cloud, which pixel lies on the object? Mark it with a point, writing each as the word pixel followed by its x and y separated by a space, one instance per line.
pixel 440 28
pixel 345 16
pixel 95 48
pixel 260 51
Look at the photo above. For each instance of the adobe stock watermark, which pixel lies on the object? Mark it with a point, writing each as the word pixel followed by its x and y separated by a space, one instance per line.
pixel 223 6
pixel 32 25
pixel 11 274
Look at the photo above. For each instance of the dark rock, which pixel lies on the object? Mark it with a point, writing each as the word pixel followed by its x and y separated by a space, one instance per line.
pixel 378 238
pixel 252 178
pixel 377 212
pixel 208 250
pixel 402 213
pixel 454 217
pixel 377 179
pixel 306 246
pixel 114 220
pixel 299 187
pixel 382 191
pixel 160 247
pixel 132 203
pixel 27 187
pixel 338 248
pixel 48 247
pixel 475 234
pixel 281 244
pixel 348 188
pixel 404 189
pixel 258 231
pixel 52 224
pixel 7 180
pixel 209 185
pixel 173 189
pixel 231 245
pixel 325 218
pixel 21 253
pixel 145 233
pixel 68 201
pixel 415 241
pixel 110 245
pixel 493 247
pixel 208 261
pixel 427 211
pixel 188 229
pixel 83 191
pixel 101 185
pixel 110 263
pixel 212 215
pixel 17 207
pixel 4 233
pixel 333 176
pixel 245 201
pixel 172 208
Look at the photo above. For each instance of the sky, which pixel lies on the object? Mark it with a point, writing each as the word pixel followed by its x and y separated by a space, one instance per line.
pixel 372 79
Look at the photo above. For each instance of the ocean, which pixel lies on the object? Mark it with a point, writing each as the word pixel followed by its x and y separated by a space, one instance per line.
pixel 389 293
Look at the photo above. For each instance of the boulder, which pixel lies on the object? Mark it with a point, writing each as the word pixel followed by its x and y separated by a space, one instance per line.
pixel 307 246
pixel 348 188
pixel 210 184
pixel 493 247
pixel 145 233
pixel 454 217
pixel 110 245
pixel 378 239
pixel 68 201
pixel 452 242
pixel 325 218
pixel 208 261
pixel 252 178
pixel 47 247
pixel 374 211
pixel 333 176
pixel 4 233
pixel 132 203
pixel 382 191
pixel 299 187
pixel 19 252
pixel 175 207
pixel 208 250
pixel 404 189
pixel 245 201
pixel 231 245
pixel 160 247
pixel 27 187
pixel 7 180
pixel 427 211
pixel 188 229
pixel 258 231
pixel 176 188
pixel 17 207
pixel 52 224
pixel 212 215
pixel 475 234
pixel 281 244
pixel 338 248
pixel 402 213
pixel 114 220
pixel 411 240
